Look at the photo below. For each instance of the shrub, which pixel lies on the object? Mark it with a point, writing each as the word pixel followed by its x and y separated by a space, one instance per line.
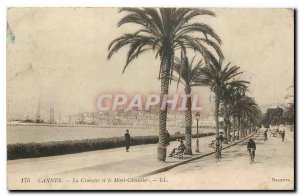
pixel 53 148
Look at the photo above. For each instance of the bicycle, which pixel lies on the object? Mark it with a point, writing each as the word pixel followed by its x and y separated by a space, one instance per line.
pixel 251 153
pixel 218 153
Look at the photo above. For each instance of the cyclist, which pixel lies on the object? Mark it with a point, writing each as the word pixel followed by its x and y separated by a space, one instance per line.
pixel 251 146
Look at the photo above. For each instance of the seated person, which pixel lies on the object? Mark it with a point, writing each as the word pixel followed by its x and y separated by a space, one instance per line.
pixel 180 148
pixel 236 137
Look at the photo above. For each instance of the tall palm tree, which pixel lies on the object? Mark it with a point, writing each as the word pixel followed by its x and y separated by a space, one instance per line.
pixel 229 98
pixel 188 74
pixel 218 77
pixel 233 97
pixel 164 31
pixel 236 97
pixel 253 114
pixel 246 108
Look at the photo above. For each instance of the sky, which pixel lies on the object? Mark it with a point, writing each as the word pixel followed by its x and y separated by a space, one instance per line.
pixel 58 57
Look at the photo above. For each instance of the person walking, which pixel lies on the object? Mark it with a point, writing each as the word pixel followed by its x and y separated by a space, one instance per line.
pixel 266 135
pixel 127 140
pixel 229 138
pixel 283 135
pixel 236 137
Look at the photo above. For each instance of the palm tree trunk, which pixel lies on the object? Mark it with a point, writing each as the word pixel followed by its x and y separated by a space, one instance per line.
pixel 246 126
pixel 188 122
pixel 249 126
pixel 246 129
pixel 228 131
pixel 226 134
pixel 239 127
pixel 242 127
pixel 234 128
pixel 166 61
pixel 217 104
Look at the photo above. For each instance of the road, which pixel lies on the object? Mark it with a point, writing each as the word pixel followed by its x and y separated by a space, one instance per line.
pixel 273 168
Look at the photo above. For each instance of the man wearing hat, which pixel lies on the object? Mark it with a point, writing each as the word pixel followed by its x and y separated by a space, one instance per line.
pixel 127 140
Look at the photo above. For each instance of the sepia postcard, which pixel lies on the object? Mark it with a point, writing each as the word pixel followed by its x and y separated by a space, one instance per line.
pixel 150 99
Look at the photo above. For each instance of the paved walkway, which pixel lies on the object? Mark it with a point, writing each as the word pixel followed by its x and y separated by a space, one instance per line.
pixel 116 163
pixel 140 159
pixel 273 168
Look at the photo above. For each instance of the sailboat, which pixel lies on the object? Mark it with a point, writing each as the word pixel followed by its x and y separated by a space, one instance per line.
pixel 38 115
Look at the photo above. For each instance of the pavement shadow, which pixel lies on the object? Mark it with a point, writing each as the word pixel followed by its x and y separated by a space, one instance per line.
pixel 258 162
pixel 240 154
pixel 172 161
pixel 225 160
pixel 261 143
pixel 231 151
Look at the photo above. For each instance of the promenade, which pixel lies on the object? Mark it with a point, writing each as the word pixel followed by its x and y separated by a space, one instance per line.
pixel 138 160
pixel 105 163
pixel 232 172
pixel 273 168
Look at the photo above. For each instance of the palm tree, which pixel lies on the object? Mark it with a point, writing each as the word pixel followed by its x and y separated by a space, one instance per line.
pixel 236 98
pixel 218 78
pixel 164 31
pixel 189 76
pixel 253 114
pixel 246 108
pixel 232 100
pixel 231 92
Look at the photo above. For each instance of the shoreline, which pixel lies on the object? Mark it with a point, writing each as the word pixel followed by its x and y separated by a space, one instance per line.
pixel 96 126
